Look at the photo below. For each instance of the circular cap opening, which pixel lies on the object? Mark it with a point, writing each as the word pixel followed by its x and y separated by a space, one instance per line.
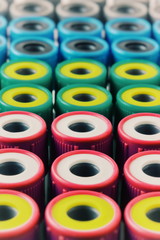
pixel 34 47
pixel 136 72
pixel 128 27
pixel 152 170
pixel 126 9
pixel 15 127
pixel 154 215
pixel 80 71
pixel 26 71
pixel 81 127
pixel 24 98
pixel 84 97
pixel 78 8
pixel 11 168
pixel 83 213
pixel 81 27
pixel 136 46
pixel 7 213
pixel 33 26
pixel 32 8
pixel 147 129
pixel 86 46
pixel 143 98
pixel 84 169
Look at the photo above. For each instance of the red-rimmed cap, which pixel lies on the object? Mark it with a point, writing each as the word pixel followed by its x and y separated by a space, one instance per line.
pixel 95 132
pixel 30 225
pixel 41 132
pixel 65 137
pixel 133 228
pixel 124 136
pixel 133 181
pixel 136 133
pixel 30 181
pixel 57 229
pixel 64 184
